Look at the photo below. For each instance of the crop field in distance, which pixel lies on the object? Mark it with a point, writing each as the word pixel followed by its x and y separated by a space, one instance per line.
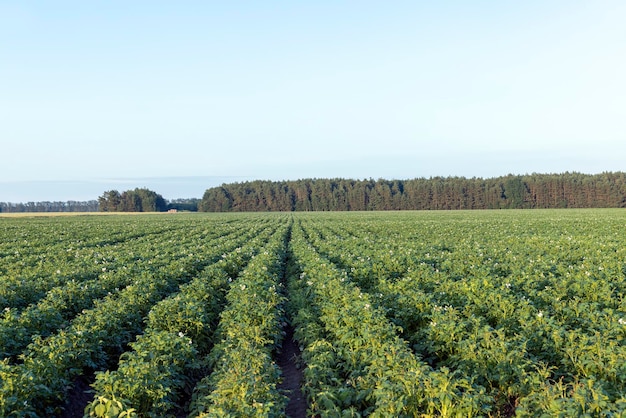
pixel 326 314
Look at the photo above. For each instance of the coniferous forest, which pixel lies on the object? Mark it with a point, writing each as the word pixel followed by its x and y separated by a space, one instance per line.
pixel 566 190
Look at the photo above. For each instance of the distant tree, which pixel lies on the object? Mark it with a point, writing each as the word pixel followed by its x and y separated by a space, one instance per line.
pixel 110 201
pixel 150 201
pixel 131 202
pixel 515 192
pixel 138 200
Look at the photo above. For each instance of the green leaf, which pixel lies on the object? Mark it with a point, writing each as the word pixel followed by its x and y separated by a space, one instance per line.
pixel 100 410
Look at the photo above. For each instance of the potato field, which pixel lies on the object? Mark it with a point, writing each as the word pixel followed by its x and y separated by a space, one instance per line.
pixel 393 314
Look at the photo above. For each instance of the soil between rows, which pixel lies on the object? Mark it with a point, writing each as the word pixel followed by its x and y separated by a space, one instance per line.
pixel 288 360
pixel 78 397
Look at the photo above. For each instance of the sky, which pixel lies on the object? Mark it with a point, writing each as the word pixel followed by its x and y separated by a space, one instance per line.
pixel 183 96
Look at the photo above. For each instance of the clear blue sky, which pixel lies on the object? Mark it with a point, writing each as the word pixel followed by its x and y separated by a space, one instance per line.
pixel 108 94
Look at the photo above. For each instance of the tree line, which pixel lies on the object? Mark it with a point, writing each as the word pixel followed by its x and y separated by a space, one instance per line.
pixel 69 206
pixel 566 190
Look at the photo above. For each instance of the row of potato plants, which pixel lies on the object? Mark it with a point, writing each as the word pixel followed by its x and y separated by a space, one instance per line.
pixel 244 377
pixel 356 364
pixel 481 301
pixel 95 338
pixel 40 235
pixel 150 379
pixel 37 266
pixel 65 301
